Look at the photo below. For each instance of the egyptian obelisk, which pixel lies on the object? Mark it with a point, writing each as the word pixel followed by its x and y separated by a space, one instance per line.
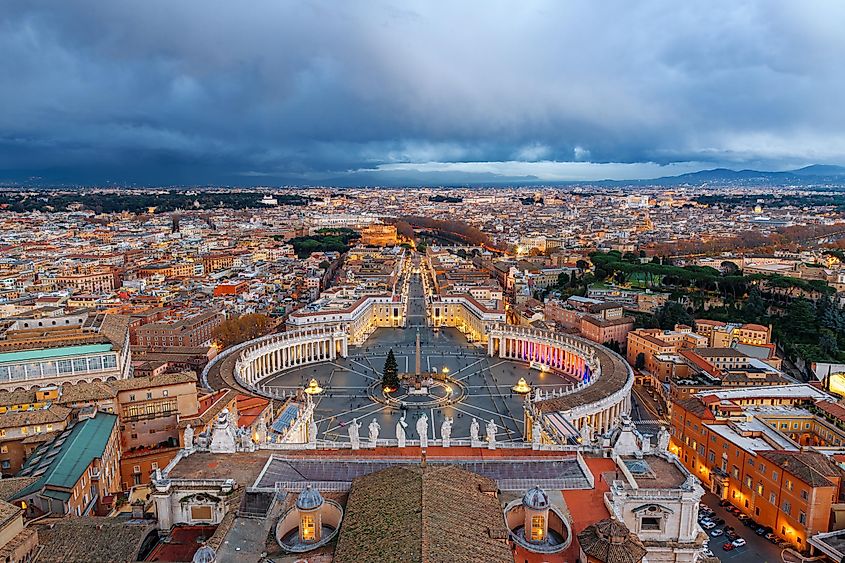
pixel 418 359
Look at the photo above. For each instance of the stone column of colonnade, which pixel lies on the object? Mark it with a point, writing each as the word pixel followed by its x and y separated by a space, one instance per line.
pixel 529 350
pixel 286 352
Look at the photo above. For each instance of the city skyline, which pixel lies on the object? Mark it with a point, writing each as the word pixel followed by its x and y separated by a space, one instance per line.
pixel 414 94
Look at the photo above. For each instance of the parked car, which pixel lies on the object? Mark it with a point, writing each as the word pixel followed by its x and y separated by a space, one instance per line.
pixel 735 511
pixel 718 521
pixel 738 542
pixel 771 537
pixel 744 518
pixel 708 525
pixel 763 530
pixel 706 553
pixel 717 532
pixel 724 502
pixel 731 534
pixel 728 546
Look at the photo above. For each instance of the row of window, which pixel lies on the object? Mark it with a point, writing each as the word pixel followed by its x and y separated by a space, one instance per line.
pixel 53 368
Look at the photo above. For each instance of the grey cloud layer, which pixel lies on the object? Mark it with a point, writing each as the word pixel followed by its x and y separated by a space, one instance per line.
pixel 212 91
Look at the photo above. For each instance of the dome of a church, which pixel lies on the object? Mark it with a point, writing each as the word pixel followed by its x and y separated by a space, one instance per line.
pixel 309 499
pixel 536 498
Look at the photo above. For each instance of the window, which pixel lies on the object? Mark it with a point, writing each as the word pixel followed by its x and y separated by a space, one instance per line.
pixel 149 394
pixel 165 393
pixel 650 524
pixel 307 528
pixel 788 485
pixel 4 449
pixel 772 498
pixel 774 475
pixel 131 397
pixel 787 507
pixel 804 495
pixel 154 465
pixel 748 482
pixel 802 518
pixel 537 526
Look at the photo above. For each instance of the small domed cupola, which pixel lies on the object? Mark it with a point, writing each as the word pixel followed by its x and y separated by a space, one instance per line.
pixel 309 499
pixel 205 554
pixel 308 504
pixel 536 504
pixel 536 498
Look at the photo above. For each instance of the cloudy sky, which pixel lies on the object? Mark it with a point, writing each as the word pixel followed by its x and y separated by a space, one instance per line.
pixel 284 92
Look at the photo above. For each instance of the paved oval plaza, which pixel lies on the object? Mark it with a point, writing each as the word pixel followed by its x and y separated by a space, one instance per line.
pixel 487 382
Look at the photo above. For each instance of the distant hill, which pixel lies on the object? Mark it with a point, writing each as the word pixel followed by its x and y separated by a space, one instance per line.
pixel 813 174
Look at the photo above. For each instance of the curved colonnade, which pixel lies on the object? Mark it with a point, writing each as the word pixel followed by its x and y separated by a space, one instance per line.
pixel 599 393
pixel 604 379
pixel 268 355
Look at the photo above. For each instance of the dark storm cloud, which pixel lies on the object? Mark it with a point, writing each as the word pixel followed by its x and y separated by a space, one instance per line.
pixel 275 91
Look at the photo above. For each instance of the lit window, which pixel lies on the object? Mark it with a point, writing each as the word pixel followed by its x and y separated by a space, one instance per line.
pixel 308 527
pixel 537 528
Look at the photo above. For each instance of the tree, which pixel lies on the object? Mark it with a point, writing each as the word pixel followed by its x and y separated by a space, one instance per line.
pixel 390 375
pixel 671 314
pixel 755 307
pixel 800 319
pixel 240 329
pixel 828 344
pixel 639 363
pixel 324 265
pixel 562 279
pixel 582 265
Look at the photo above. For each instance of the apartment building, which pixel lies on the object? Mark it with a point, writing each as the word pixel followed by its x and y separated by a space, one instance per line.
pixel 195 330
pixel 35 352
pixel 77 472
pixel 762 449
pixel 646 344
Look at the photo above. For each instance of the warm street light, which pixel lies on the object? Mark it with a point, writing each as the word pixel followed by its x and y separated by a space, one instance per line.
pixel 521 386
pixel 313 388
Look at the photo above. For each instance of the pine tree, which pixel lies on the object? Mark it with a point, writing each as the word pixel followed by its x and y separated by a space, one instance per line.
pixel 390 376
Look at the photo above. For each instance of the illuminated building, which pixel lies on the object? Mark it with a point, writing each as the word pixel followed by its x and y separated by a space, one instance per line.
pixel 764 450
pixel 63 349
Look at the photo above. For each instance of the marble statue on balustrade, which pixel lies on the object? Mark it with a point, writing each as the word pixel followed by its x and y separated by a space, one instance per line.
pixel 374 430
pixel 245 439
pixel 400 431
pixel 538 395
pixel 536 434
pixel 189 438
pixel 422 430
pixel 491 435
pixel 354 438
pixel 446 431
pixel 312 432
pixel 223 434
pixel 261 430
pixel 475 440
pixel 587 434
pixel 662 440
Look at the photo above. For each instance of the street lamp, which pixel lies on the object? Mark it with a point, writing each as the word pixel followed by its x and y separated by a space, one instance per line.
pixel 313 387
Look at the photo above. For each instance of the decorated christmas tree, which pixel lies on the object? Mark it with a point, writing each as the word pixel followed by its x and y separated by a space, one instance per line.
pixel 390 377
